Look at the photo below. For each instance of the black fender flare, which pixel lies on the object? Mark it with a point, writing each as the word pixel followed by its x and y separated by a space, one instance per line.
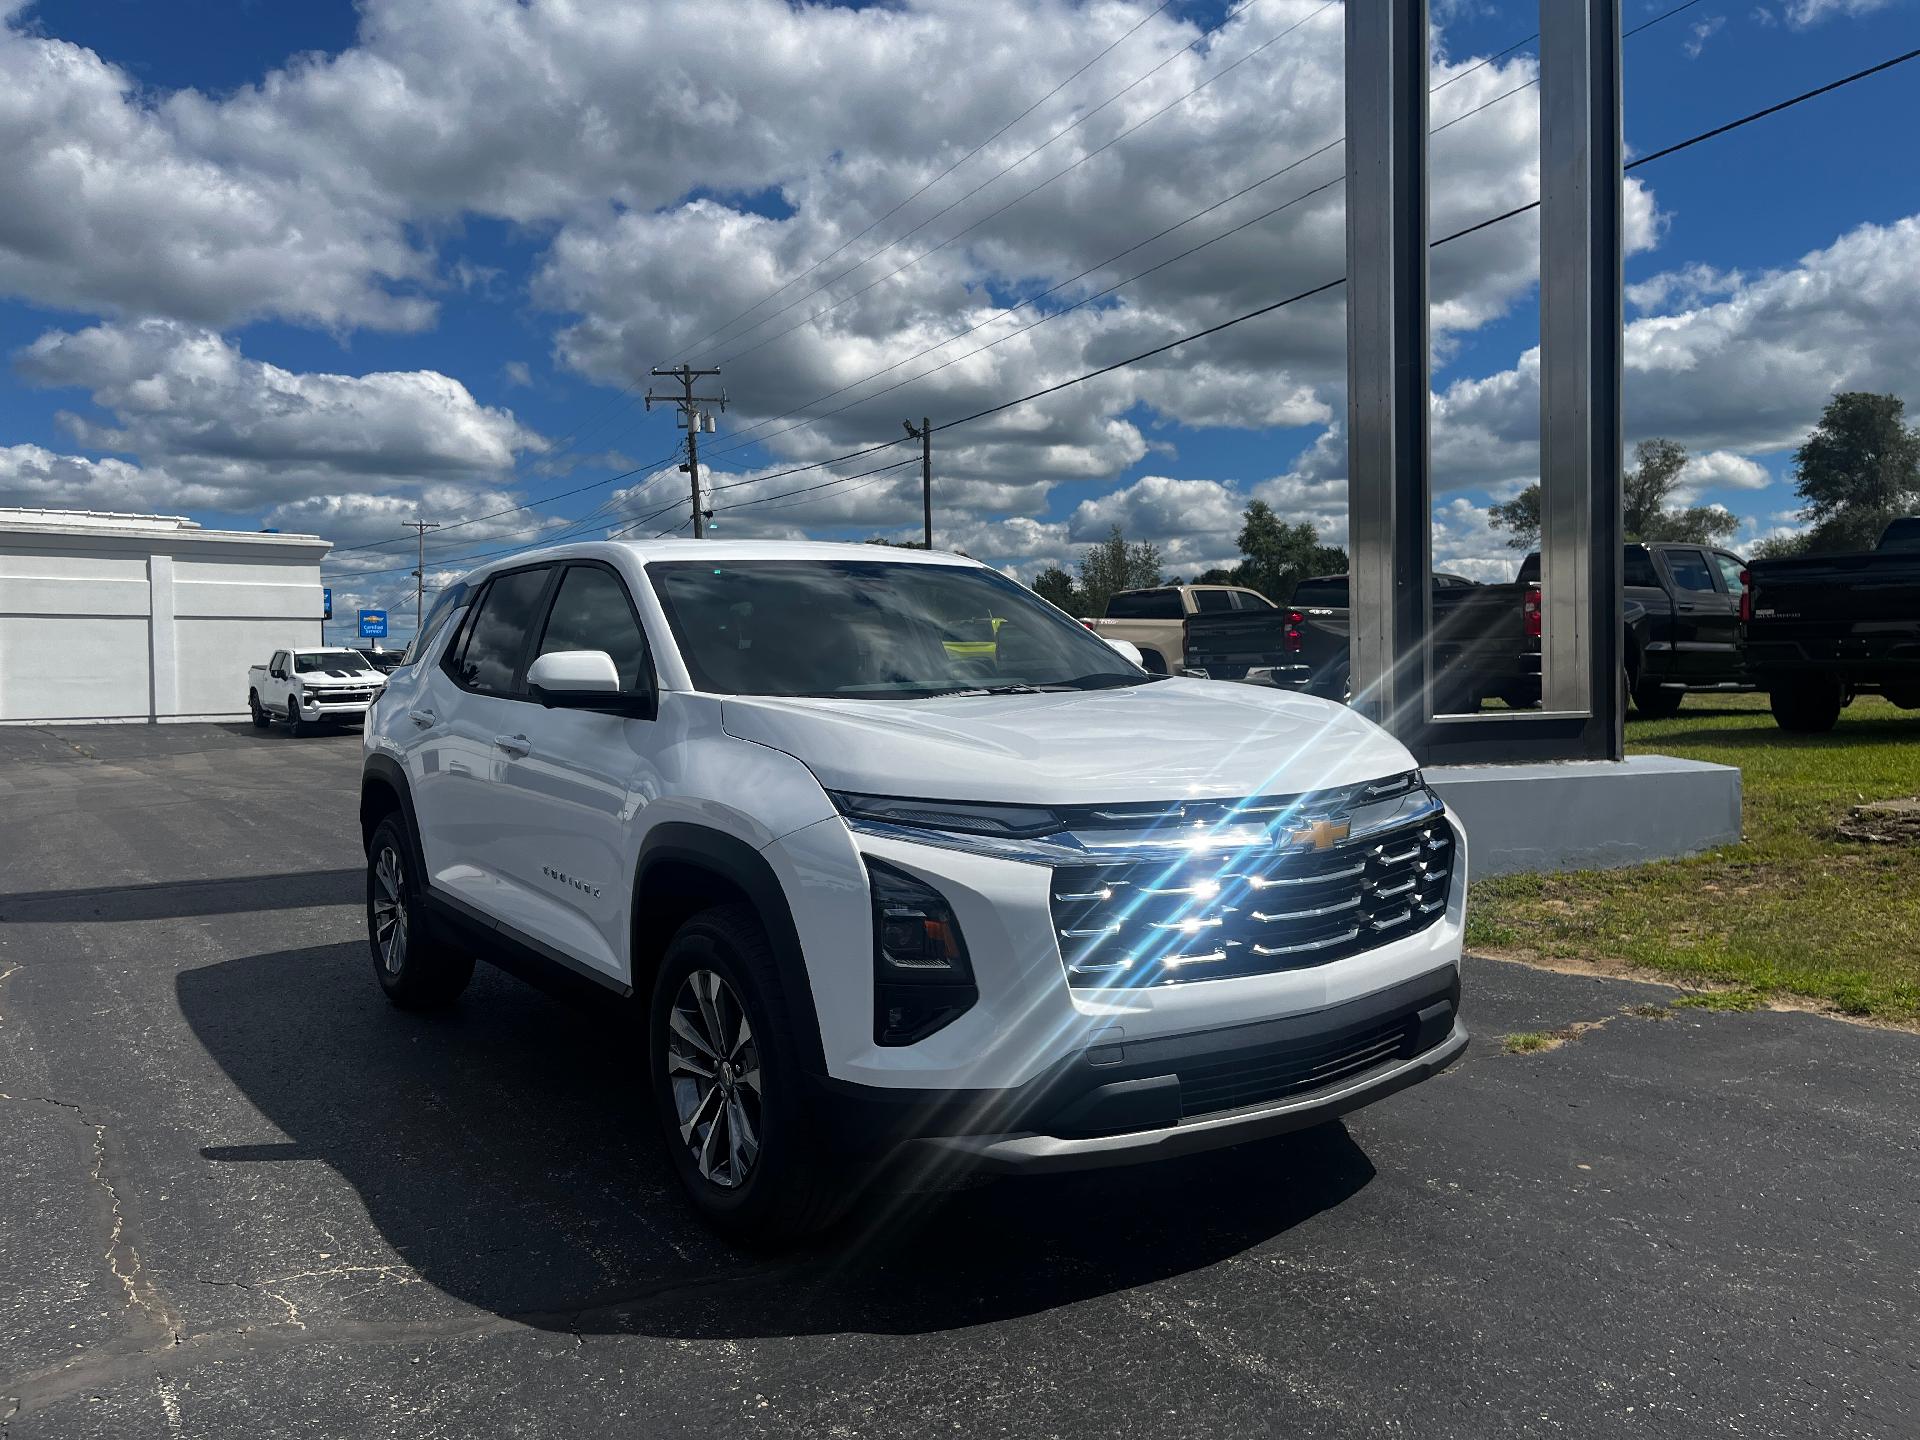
pixel 747 870
pixel 383 771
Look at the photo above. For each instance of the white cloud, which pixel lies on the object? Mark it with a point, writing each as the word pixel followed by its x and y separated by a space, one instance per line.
pixel 33 476
pixel 1700 32
pixel 1719 470
pixel 248 433
pixel 1802 13
pixel 1683 288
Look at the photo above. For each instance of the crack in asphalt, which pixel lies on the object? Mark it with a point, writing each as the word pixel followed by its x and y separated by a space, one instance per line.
pixel 122 1255
pixel 113 1363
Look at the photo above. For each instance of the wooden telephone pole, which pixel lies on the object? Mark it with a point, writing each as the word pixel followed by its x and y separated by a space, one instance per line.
pixel 925 436
pixel 693 417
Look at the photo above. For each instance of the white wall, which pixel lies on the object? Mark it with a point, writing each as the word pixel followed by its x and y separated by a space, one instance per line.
pixel 136 618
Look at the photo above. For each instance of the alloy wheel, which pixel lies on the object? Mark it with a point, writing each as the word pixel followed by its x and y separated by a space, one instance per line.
pixel 713 1066
pixel 390 910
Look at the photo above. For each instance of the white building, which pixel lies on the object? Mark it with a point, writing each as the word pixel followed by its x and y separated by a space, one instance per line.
pixel 144 617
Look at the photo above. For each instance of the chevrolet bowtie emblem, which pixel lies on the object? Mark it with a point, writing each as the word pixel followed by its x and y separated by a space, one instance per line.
pixel 1321 834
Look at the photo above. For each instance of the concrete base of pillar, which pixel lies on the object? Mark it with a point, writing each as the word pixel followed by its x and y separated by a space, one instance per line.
pixel 1589 815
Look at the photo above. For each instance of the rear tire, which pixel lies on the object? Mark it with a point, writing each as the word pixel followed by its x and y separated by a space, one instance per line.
pixel 415 965
pixel 1153 662
pixel 257 712
pixel 1656 703
pixel 728 1087
pixel 1807 707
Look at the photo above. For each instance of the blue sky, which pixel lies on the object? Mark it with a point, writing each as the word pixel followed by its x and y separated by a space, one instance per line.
pixel 531 303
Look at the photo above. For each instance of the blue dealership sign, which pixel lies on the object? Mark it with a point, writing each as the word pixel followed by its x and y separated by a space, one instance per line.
pixel 373 624
pixel 326 602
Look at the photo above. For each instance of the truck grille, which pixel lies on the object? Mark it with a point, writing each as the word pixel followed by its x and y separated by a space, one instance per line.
pixel 341 696
pixel 1248 912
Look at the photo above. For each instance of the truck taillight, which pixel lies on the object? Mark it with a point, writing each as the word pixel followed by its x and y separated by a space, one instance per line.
pixel 1295 641
pixel 1746 597
pixel 1530 609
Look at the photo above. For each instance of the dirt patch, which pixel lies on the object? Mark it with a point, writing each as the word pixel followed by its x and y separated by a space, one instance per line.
pixel 1884 822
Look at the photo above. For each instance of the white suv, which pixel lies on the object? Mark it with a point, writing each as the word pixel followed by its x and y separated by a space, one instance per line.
pixel 903 862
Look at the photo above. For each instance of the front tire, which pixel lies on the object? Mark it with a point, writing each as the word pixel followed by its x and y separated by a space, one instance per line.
pixel 1656 703
pixel 1811 707
pixel 415 966
pixel 728 1087
pixel 295 725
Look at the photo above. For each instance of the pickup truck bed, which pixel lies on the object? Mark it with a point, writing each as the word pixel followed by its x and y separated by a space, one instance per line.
pixel 1821 628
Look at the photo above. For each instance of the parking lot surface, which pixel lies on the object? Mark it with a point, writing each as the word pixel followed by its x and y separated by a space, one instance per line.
pixel 239 1195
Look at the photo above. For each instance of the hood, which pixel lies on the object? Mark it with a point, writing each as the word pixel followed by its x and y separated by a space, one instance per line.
pixel 328 679
pixel 1173 739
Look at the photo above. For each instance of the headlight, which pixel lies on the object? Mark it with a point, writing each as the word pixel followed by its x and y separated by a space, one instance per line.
pixel 922 979
pixel 967 817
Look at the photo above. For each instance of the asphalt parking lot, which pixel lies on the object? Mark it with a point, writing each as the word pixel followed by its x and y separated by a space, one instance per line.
pixel 240 1196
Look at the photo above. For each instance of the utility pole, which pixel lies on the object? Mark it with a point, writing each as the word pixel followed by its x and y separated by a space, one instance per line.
pixel 694 419
pixel 420 528
pixel 925 436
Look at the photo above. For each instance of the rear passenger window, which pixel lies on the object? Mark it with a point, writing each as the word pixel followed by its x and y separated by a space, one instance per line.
pixel 1321 594
pixel 1207 601
pixel 1247 600
pixel 1689 570
pixel 497 635
pixel 592 612
pixel 1145 605
pixel 1639 569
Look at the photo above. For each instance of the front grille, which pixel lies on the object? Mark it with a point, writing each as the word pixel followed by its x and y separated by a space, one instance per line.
pixel 1249 911
pixel 341 696
pixel 1230 1084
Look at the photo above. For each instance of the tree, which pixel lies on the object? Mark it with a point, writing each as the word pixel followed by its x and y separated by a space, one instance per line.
pixel 1519 517
pixel 1644 513
pixel 1055 586
pixel 1859 468
pixel 1278 555
pixel 1115 564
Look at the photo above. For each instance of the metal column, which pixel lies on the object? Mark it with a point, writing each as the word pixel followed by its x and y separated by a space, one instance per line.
pixel 1388 508
pixel 1580 343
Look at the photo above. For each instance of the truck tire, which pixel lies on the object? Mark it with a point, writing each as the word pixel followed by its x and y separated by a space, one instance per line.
pixel 1656 703
pixel 416 966
pixel 1810 706
pixel 256 712
pixel 295 725
pixel 1153 662
pixel 727 1086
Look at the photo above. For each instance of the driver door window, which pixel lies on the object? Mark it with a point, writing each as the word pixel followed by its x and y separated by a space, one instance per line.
pixel 592 612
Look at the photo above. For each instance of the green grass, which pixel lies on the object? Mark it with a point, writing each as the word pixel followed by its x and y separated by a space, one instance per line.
pixel 1790 910
pixel 1526 1042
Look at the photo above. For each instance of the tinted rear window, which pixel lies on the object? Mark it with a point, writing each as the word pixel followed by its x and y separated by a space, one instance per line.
pixel 1329 594
pixel 1207 601
pixel 1639 569
pixel 1145 605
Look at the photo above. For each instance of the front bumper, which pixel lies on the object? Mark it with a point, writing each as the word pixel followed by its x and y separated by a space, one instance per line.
pixel 1169 1095
pixel 313 709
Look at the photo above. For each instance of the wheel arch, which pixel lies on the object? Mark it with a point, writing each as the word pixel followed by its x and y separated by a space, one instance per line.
pixel 384 791
pixel 686 868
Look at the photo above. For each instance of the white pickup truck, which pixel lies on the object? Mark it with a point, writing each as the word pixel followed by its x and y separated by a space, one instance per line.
pixel 307 687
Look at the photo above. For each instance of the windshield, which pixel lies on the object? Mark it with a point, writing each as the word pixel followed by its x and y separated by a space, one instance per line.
pixel 874 629
pixel 316 662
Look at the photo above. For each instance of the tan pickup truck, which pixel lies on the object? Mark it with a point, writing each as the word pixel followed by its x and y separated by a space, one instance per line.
pixel 1155 620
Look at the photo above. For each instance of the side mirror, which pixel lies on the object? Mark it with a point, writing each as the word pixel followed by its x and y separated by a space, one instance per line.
pixel 1128 649
pixel 582 680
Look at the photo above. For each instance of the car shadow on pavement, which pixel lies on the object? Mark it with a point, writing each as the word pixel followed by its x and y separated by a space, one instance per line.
pixel 170 899
pixel 502 1153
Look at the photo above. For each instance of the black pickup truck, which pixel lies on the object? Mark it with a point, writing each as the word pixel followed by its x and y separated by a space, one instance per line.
pixel 1820 629
pixel 1680 631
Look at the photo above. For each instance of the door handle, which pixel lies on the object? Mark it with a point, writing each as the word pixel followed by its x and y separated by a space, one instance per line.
pixel 515 745
pixel 422 718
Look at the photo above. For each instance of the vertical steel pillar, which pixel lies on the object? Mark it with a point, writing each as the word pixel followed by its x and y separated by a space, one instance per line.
pixel 1580 342
pixel 1389 524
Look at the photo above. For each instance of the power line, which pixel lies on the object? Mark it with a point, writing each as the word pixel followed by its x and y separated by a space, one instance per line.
pixel 1296 298
pixel 627 391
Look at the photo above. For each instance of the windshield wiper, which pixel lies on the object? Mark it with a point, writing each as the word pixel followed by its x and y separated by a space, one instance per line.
pixel 1104 681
